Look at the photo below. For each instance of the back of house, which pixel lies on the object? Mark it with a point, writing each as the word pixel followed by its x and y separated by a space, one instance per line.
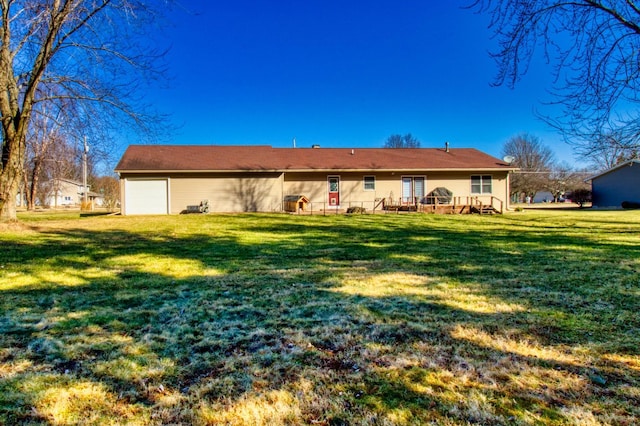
pixel 167 179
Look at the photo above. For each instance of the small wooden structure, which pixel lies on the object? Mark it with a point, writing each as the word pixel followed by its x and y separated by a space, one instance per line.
pixel 295 203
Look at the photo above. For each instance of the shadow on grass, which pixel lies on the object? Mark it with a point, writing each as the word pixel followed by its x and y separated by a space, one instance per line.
pixel 363 320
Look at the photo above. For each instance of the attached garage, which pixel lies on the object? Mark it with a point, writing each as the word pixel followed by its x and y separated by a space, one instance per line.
pixel 146 196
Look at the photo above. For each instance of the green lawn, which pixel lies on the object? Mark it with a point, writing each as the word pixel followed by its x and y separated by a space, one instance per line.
pixel 525 318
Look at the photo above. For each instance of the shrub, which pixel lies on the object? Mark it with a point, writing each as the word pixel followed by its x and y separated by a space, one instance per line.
pixel 630 205
pixel 360 210
pixel 581 196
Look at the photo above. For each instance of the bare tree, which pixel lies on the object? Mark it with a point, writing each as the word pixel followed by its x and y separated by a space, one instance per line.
pixel 581 196
pixel 607 149
pixel 83 55
pixel 593 45
pixel 398 141
pixel 43 134
pixel 564 179
pixel 534 160
pixel 62 162
pixel 109 188
pixel 604 151
pixel 558 181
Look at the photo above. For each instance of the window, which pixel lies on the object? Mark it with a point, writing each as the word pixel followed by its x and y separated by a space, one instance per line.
pixel 412 188
pixel 334 184
pixel 369 183
pixel 481 184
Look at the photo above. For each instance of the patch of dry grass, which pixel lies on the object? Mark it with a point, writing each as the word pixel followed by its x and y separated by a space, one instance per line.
pixel 273 319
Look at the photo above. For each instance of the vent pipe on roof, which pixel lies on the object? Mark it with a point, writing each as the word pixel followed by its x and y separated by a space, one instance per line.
pixel 294 142
pixel 446 147
pixel 353 152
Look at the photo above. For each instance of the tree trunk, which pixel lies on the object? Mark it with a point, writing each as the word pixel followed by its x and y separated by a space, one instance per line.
pixel 33 186
pixel 11 173
pixel 9 183
pixel 31 194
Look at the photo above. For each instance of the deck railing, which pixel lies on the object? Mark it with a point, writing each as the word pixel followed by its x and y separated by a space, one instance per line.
pixel 459 204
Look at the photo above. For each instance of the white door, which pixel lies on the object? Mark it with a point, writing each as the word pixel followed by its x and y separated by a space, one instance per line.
pixel 413 189
pixel 146 196
pixel 407 190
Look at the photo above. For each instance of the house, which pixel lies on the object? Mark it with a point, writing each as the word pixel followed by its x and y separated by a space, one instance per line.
pixel 167 179
pixel 67 192
pixel 618 184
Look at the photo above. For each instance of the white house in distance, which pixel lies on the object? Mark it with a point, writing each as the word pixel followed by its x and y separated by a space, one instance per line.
pixel 618 184
pixel 170 179
pixel 67 193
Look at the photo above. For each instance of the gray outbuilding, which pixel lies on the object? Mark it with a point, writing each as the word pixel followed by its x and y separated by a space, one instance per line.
pixel 617 185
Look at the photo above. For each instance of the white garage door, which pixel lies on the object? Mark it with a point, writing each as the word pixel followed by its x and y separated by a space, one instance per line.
pixel 146 196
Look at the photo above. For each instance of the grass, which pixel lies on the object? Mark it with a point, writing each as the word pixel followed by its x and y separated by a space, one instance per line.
pixel 525 318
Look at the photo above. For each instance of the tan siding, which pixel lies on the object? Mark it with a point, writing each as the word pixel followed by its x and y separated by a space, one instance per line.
pixel 314 187
pixel 460 183
pixel 238 192
pixel 228 193
pixel 388 185
pixel 311 185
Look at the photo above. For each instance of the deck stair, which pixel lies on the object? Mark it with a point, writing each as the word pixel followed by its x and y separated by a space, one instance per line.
pixel 484 209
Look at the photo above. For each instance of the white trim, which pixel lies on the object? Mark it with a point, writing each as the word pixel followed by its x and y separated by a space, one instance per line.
pixel 413 186
pixel 127 190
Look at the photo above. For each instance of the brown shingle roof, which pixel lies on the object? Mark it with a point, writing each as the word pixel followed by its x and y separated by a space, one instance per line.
pixel 198 158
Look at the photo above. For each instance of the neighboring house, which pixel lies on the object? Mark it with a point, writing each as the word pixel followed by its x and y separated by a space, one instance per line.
pixel 616 185
pixel 161 179
pixel 67 192
pixel 546 197
pixel 543 197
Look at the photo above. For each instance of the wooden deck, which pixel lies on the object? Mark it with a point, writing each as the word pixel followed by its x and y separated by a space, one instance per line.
pixel 458 205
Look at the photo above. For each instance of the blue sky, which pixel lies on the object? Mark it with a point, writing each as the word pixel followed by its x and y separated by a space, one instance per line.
pixel 343 74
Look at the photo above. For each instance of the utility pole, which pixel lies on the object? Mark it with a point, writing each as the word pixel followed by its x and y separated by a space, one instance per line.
pixel 84 172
